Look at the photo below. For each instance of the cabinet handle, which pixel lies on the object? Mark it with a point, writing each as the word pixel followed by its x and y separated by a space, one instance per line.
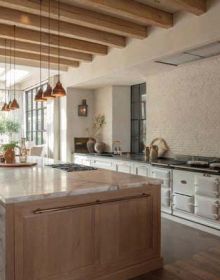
pixel 183 182
pixel 97 202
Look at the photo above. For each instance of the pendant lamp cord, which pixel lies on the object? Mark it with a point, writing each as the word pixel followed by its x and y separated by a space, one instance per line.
pixel 10 67
pixel 14 56
pixel 59 40
pixel 49 41
pixel 5 69
pixel 40 41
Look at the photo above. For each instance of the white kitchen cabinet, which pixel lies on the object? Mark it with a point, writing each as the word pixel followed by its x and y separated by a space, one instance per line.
pixel 103 163
pixel 124 166
pixel 165 175
pixel 81 159
pixel 141 169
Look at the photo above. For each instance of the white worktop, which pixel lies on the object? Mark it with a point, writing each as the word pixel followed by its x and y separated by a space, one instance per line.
pixel 41 182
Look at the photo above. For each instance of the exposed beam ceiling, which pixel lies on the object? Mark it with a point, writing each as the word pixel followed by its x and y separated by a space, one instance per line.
pixel 83 17
pixel 35 48
pixel 197 7
pixel 87 27
pixel 142 14
pixel 33 63
pixel 36 57
pixel 27 35
pixel 31 21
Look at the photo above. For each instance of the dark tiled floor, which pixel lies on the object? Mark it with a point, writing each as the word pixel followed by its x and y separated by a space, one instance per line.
pixel 189 254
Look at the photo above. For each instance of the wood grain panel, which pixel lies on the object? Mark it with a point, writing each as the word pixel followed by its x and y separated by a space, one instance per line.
pixel 26 35
pixel 83 17
pixel 31 21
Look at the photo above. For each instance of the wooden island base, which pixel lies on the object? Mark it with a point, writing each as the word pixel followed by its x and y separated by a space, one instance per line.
pixel 98 236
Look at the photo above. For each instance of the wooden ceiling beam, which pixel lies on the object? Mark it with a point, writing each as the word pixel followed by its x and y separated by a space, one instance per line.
pixel 27 20
pixel 197 7
pixel 141 13
pixel 36 57
pixel 33 63
pixel 35 48
pixel 80 16
pixel 27 35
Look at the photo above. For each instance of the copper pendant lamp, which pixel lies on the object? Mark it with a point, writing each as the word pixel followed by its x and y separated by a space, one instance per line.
pixel 39 95
pixel 48 92
pixel 59 90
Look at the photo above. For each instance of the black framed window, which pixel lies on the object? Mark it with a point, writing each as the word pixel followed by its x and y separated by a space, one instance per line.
pixel 35 117
pixel 138 118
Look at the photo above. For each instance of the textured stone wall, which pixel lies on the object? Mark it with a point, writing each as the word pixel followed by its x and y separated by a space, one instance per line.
pixel 184 108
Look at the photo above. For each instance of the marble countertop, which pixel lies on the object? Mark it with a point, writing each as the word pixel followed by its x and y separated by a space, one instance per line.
pixel 41 182
pixel 172 163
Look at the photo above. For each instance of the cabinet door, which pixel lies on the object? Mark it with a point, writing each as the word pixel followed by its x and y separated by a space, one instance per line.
pixel 142 170
pixel 124 167
pixel 53 245
pixel 105 164
pixel 126 232
pixel 183 182
pixel 163 174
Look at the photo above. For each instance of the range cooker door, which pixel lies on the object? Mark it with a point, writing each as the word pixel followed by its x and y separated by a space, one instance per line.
pixel 183 202
pixel 207 207
pixel 207 186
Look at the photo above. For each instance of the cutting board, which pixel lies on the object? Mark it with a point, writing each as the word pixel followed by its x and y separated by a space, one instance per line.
pixel 18 164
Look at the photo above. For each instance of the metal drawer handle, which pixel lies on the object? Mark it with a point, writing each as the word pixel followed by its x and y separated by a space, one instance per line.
pixel 183 182
pixel 97 202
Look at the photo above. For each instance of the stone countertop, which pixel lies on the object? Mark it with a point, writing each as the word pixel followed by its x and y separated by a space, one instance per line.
pixel 42 182
pixel 179 164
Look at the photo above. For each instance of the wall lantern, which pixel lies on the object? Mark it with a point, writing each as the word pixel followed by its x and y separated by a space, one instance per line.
pixel 83 109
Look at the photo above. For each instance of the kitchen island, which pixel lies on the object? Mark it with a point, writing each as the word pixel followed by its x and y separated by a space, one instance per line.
pixel 97 224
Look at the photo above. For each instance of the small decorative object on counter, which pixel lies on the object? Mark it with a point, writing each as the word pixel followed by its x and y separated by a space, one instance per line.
pixel 100 147
pixel 147 153
pixel 153 152
pixel 91 145
pixel 117 148
pixel 98 125
pixel 23 151
pixel 9 152
pixel 162 146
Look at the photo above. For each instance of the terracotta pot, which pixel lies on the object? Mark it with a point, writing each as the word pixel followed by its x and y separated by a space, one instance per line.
pixel 91 145
pixel 9 156
pixel 99 147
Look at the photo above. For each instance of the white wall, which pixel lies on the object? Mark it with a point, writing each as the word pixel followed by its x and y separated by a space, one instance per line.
pixel 114 103
pixel 184 108
pixel 103 105
pixel 71 125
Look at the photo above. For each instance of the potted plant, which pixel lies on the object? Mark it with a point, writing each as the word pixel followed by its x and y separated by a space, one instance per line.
pixel 9 152
pixel 94 143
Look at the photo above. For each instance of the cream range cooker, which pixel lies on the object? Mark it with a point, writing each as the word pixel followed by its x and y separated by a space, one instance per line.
pixel 191 193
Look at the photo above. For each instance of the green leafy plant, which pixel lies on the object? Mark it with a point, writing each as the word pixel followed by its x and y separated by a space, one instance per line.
pixel 99 123
pixel 11 145
pixel 8 126
pixel 2 127
pixel 12 126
